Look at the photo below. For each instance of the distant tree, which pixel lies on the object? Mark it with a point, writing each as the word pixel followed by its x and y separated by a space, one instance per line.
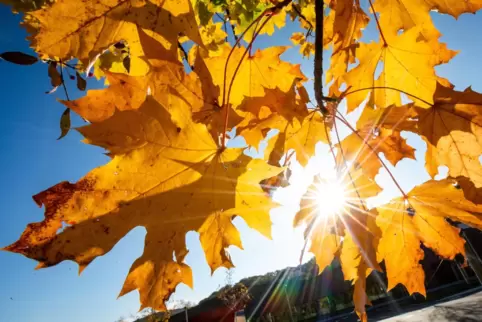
pixel 235 297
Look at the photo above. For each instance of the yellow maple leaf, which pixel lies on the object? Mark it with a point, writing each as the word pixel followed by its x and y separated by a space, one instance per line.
pixel 358 254
pixel 124 93
pixel 171 179
pixel 451 127
pixel 346 21
pixel 403 15
pixel 408 65
pixel 300 129
pixel 70 28
pixel 307 48
pixel 363 146
pixel 357 249
pixel 254 77
pixel 421 218
pixel 263 69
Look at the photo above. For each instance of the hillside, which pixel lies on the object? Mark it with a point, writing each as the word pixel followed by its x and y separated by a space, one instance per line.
pixel 300 291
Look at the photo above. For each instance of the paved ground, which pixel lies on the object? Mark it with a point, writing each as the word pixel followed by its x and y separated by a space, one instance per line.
pixel 465 309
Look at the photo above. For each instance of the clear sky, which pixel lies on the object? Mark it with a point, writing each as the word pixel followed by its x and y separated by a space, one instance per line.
pixel 31 160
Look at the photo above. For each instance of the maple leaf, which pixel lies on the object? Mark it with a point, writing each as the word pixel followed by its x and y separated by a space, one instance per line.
pixel 261 70
pixel 363 146
pixel 256 75
pixel 154 162
pixel 358 254
pixel 177 85
pixel 307 48
pixel 357 249
pixel 345 21
pixel 408 64
pixel 451 128
pixel 403 15
pixel 124 93
pixel 421 218
pixel 58 30
pixel 300 129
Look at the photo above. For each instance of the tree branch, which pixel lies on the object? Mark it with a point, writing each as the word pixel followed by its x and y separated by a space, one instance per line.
pixel 318 66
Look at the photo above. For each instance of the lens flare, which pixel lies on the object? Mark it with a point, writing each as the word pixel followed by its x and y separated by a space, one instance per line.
pixel 330 198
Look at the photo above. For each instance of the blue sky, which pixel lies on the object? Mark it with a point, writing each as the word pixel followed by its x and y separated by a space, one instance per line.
pixel 31 160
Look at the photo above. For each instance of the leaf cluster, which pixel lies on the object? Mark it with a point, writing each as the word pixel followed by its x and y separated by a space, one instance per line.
pixel 177 85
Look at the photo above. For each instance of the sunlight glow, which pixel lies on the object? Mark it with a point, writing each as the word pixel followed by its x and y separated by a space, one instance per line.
pixel 330 198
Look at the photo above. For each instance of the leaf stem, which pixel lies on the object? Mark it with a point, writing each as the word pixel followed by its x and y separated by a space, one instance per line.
pixel 65 64
pixel 378 24
pixel 63 81
pixel 390 88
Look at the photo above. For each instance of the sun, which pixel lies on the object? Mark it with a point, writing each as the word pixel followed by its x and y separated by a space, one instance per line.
pixel 330 197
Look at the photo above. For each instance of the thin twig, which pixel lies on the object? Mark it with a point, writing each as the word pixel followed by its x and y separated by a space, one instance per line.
pixel 248 49
pixel 302 17
pixel 378 24
pixel 68 65
pixel 220 17
pixel 390 88
pixel 236 39
pixel 346 165
pixel 63 82
pixel 318 66
pixel 267 12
